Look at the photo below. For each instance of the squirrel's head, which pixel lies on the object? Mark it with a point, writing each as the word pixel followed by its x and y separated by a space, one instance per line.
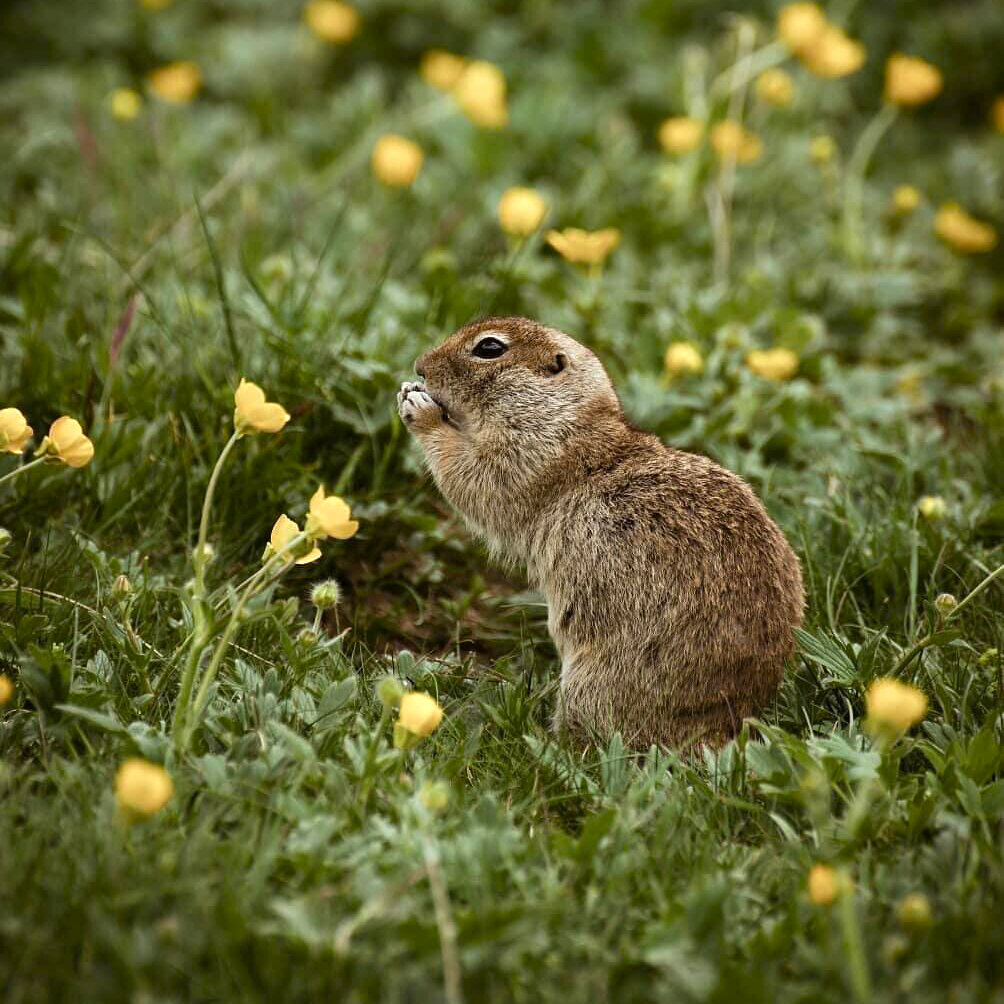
pixel 513 373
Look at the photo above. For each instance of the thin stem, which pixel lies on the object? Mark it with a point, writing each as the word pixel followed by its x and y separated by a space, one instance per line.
pixel 857 168
pixel 853 946
pixel 928 640
pixel 965 601
pixel 721 209
pixel 253 587
pixel 24 467
pixel 452 987
pixel 371 755
pixel 200 627
pixel 858 811
pixel 199 559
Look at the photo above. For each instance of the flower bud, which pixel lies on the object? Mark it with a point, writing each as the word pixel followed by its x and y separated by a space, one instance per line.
pixel 5 538
pixel 125 103
pixel 396 160
pixel 142 788
pixel 306 639
pixel 945 603
pixel 390 691
pixel 326 595
pixel 932 507
pixel 208 554
pixel 682 357
pixel 681 134
pixel 822 149
pixel 905 199
pixel 6 690
pixel 914 912
pixel 521 211
pixel 434 795
pixel 121 587
pixel 824 885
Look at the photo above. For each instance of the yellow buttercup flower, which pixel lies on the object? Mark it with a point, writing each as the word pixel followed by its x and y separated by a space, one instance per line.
pixel 6 689
pixel 833 54
pixel 396 161
pixel 67 443
pixel 905 199
pixel 800 24
pixel 420 714
pixel 125 103
pixel 331 20
pixel 682 357
pixel 822 149
pixel 824 885
pixel 910 81
pixel 932 507
pixel 777 364
pixel 481 93
pixel 997 114
pixel 329 516
pixel 775 87
pixel 584 247
pixel 521 211
pixel 681 134
pixel 284 531
pixel 253 413
pixel 176 83
pixel 441 69
pixel 964 233
pixel 15 432
pixel 730 140
pixel 142 788
pixel 894 706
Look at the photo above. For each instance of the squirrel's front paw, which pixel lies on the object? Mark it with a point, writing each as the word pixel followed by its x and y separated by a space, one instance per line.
pixel 417 407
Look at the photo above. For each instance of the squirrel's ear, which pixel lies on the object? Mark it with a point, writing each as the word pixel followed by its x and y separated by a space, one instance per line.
pixel 559 362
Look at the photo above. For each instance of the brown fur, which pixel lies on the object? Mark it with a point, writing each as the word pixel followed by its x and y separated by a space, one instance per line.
pixel 672 595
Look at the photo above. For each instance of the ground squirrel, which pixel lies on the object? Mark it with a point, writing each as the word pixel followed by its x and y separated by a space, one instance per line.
pixel 672 596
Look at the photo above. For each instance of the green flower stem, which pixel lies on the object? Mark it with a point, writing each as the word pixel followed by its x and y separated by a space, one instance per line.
pixel 253 587
pixel 865 795
pixel 859 807
pixel 452 984
pixel 371 753
pixel 24 467
pixel 200 628
pixel 853 946
pixel 966 600
pixel 931 639
pixel 199 559
pixel 857 168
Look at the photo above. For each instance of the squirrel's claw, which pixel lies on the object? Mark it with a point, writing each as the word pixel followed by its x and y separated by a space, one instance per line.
pixel 417 407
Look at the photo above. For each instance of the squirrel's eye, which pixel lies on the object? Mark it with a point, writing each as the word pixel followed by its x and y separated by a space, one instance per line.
pixel 489 348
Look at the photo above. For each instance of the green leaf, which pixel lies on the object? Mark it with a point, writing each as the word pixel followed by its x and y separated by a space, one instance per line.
pixel 100 720
pixel 825 651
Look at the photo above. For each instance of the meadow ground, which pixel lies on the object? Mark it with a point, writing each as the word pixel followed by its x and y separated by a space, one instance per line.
pixel 163 235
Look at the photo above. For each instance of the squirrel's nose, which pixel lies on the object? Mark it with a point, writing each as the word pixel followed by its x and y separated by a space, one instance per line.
pixel 420 366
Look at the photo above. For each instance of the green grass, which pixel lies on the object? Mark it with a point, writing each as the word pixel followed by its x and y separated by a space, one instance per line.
pixel 244 235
